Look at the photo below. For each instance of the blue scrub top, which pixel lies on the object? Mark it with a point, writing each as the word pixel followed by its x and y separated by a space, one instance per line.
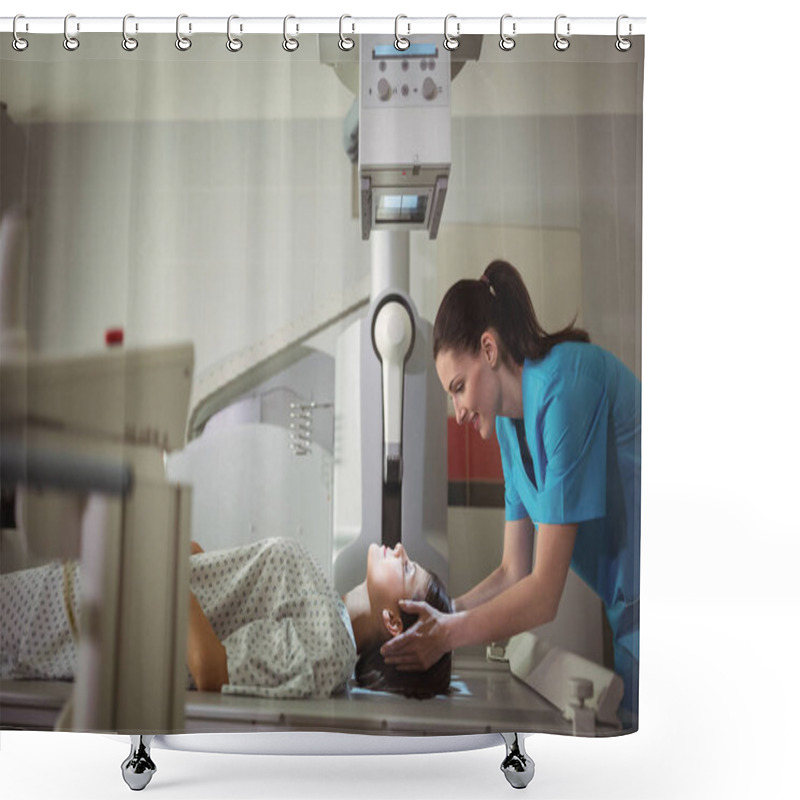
pixel 582 464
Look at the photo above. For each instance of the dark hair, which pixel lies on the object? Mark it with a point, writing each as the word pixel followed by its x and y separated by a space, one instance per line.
pixel 372 672
pixel 499 300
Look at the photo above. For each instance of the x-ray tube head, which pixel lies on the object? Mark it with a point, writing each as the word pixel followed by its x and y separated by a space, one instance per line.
pixel 404 134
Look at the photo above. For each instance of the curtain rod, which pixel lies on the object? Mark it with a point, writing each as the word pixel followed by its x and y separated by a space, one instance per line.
pixel 455 26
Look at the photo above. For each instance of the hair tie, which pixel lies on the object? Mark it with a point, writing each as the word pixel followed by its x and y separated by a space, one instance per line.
pixel 484 279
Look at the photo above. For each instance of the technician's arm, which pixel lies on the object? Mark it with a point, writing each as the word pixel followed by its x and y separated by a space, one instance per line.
pixel 206 656
pixel 530 602
pixel 516 564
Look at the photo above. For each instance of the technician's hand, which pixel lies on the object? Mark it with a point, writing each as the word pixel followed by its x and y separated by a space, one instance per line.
pixel 423 644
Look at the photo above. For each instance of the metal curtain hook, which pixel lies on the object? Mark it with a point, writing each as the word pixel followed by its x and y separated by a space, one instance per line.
pixel 182 42
pixel 400 42
pixel 71 43
pixel 451 42
pixel 623 45
pixel 19 44
pixel 345 43
pixel 507 42
pixel 233 44
pixel 129 43
pixel 290 44
pixel 560 42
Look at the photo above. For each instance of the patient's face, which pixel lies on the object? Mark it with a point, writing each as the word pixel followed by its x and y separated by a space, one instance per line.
pixel 392 576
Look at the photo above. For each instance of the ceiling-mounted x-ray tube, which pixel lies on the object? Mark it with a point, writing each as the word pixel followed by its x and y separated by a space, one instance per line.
pixel 403 135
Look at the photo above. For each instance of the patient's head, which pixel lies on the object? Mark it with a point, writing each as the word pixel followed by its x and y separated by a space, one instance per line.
pixel 391 577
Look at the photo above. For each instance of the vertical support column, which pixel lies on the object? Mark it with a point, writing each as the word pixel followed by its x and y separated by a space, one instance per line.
pixel 154 601
pixel 135 580
pixel 390 262
pixel 96 674
pixel 390 268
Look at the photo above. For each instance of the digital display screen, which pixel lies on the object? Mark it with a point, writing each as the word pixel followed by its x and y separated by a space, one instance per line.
pixel 418 50
pixel 401 208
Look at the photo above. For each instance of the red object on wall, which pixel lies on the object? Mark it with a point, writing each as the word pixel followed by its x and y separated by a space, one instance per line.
pixel 114 336
pixel 469 457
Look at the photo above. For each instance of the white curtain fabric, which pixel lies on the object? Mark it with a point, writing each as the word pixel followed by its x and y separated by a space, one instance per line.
pixel 207 196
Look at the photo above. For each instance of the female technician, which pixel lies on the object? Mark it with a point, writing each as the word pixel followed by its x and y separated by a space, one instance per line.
pixel 567 415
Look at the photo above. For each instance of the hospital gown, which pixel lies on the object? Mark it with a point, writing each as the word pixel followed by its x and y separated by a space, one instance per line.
pixel 286 632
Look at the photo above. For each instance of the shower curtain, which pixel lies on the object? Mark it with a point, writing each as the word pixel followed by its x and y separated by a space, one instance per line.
pixel 210 193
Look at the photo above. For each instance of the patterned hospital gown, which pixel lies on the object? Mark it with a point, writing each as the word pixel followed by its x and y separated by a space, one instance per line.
pixel 286 632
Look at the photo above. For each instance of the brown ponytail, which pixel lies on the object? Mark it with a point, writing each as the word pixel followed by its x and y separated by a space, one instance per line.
pixel 498 300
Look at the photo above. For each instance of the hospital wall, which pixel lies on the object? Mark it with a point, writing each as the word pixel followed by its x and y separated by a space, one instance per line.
pixel 222 227
pixel 244 242
pixel 211 199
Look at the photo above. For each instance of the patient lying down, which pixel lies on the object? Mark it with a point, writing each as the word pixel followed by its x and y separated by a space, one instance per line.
pixel 263 620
